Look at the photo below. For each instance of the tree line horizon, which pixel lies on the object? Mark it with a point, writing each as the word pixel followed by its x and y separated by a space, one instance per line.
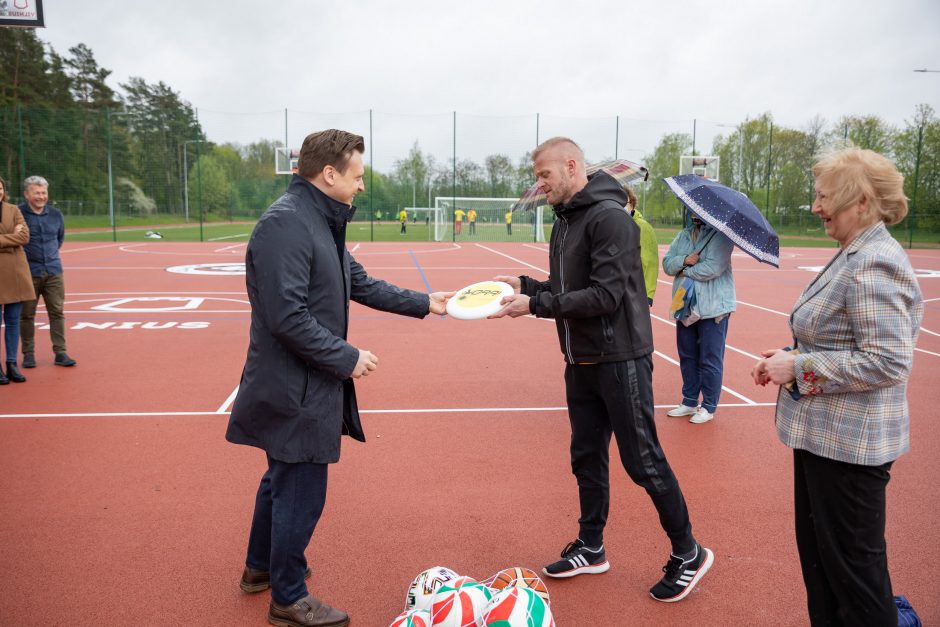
pixel 143 151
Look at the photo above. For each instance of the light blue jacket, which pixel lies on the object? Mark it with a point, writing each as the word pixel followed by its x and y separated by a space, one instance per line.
pixel 714 281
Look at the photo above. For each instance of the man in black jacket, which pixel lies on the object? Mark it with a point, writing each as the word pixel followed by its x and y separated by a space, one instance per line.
pixel 296 397
pixel 597 296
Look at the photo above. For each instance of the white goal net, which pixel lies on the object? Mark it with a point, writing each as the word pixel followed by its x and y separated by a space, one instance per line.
pixel 466 218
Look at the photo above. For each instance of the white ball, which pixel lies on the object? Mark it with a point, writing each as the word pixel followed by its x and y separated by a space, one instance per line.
pixel 422 589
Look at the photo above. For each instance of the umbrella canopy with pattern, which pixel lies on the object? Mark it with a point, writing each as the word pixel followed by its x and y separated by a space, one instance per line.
pixel 626 173
pixel 731 213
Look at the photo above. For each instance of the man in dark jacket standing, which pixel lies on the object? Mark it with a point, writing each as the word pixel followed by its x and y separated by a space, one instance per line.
pixel 296 397
pixel 597 296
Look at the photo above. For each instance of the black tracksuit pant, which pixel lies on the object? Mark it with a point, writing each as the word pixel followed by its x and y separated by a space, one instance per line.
pixel 617 398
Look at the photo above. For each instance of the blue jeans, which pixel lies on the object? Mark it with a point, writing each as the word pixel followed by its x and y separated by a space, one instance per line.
pixel 11 330
pixel 288 505
pixel 701 360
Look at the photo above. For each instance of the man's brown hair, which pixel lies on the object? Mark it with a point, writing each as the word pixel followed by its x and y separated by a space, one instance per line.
pixel 331 147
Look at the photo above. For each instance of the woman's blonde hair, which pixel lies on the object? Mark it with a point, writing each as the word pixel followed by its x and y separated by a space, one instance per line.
pixel 853 174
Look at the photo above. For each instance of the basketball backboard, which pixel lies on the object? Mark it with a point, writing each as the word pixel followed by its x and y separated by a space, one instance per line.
pixel 285 160
pixel 706 166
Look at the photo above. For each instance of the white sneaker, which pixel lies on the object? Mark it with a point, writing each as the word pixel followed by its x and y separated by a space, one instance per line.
pixel 702 415
pixel 682 410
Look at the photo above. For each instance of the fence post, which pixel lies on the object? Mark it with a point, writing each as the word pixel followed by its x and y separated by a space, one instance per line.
pixel 913 215
pixel 770 152
pixel 110 179
pixel 453 191
pixel 371 186
pixel 19 125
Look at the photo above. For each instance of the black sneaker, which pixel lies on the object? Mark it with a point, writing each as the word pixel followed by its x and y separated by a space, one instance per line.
pixel 681 576
pixel 577 559
pixel 29 360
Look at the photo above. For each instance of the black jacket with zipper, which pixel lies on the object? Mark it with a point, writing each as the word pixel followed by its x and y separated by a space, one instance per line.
pixel 595 292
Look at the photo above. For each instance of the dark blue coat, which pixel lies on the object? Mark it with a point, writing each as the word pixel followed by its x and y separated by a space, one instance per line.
pixel 296 397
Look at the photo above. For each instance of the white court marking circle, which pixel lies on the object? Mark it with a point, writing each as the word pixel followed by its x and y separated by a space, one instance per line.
pixel 217 269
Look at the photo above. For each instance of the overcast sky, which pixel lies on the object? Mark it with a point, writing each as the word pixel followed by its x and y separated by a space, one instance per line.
pixel 656 65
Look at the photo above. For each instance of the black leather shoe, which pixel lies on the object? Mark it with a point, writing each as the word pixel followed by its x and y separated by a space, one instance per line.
pixel 29 360
pixel 13 373
pixel 306 612
pixel 3 379
pixel 254 580
pixel 62 359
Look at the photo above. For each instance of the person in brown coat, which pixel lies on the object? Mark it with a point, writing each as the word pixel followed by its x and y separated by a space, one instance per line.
pixel 16 283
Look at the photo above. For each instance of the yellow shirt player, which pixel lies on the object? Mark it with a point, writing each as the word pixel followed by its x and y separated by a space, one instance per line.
pixel 509 222
pixel 458 220
pixel 472 219
pixel 403 218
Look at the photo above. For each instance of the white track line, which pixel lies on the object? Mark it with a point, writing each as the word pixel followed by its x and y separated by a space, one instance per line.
pixel 75 250
pixel 356 247
pixel 725 388
pixel 224 406
pixel 219 239
pixel 446 410
pixel 528 265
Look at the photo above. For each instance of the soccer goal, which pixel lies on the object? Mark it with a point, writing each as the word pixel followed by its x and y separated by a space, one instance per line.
pixel 492 219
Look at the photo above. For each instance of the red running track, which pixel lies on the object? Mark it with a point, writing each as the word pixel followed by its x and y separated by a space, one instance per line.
pixel 123 504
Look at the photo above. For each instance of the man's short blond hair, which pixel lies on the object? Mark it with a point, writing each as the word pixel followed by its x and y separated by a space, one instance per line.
pixel 556 142
pixel 852 174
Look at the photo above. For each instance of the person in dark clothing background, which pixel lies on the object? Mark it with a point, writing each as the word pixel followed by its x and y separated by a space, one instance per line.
pixel 296 396
pixel 596 294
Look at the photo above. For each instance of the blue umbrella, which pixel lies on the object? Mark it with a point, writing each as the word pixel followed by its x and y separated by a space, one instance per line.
pixel 731 213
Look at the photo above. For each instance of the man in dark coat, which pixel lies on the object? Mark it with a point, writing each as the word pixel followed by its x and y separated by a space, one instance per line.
pixel 296 397
pixel 597 296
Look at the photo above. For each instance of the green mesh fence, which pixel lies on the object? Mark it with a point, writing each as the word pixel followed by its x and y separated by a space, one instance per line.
pixel 208 175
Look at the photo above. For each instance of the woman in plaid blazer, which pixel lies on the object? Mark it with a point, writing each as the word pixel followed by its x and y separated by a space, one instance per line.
pixel 842 406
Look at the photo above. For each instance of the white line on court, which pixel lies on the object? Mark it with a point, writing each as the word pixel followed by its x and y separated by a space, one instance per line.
pixel 723 387
pixel 70 294
pixel 442 410
pixel 75 250
pixel 219 239
pixel 930 332
pixel 161 268
pixel 356 247
pixel 735 349
pixel 926 351
pixel 528 265
pixel 224 406
pixel 543 248
pixel 930 300
pixel 448 249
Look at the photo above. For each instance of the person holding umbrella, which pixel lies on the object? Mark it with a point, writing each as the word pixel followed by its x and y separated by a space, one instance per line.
pixel 842 405
pixel 701 254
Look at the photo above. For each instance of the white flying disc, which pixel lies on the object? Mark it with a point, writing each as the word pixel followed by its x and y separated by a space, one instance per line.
pixel 478 300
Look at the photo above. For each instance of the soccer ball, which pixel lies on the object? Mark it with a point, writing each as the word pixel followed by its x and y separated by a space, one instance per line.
pixel 422 589
pixel 517 607
pixel 413 618
pixel 459 605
